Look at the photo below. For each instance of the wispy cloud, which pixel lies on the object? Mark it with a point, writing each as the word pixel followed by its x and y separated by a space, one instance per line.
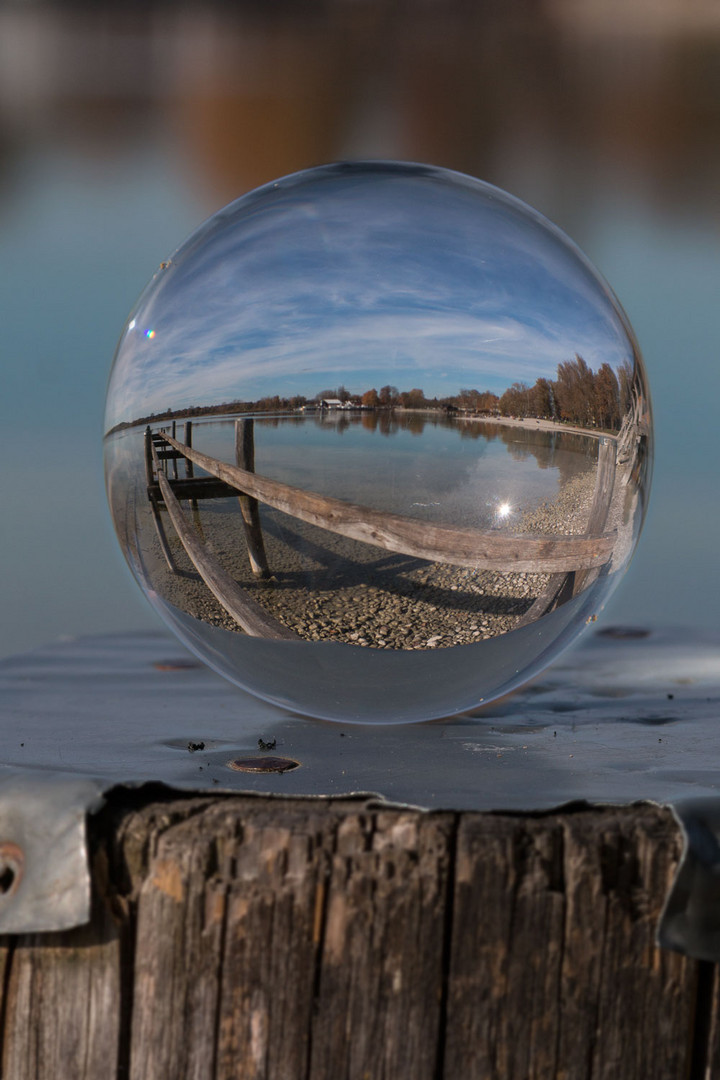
pixel 396 280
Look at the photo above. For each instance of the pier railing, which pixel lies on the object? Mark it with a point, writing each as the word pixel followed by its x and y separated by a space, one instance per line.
pixel 569 560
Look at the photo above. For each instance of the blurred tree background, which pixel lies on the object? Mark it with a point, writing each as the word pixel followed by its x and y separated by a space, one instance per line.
pixel 122 127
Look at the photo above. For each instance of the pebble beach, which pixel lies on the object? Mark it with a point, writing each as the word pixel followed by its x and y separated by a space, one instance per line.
pixel 327 587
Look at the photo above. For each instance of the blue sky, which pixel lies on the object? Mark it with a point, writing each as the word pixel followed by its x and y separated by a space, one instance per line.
pixel 413 278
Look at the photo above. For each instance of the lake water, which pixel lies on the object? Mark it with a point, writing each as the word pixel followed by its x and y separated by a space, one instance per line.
pixel 423 466
pixel 133 133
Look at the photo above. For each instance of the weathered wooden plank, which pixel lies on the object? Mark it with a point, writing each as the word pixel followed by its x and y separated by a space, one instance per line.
pixel 161 535
pixel 229 923
pixel 190 475
pixel 276 899
pixel 600 506
pixel 706 1040
pixel 327 957
pixel 61 1007
pixel 554 971
pixel 562 587
pixel 301 939
pixel 178 961
pixel 379 994
pixel 245 457
pixel 615 980
pixel 604 485
pixel 170 455
pixel 558 590
pixel 410 536
pixel 148 442
pixel 188 438
pixel 196 487
pixel 253 619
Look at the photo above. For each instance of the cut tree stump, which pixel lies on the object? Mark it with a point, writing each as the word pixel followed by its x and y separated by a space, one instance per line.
pixel 263 938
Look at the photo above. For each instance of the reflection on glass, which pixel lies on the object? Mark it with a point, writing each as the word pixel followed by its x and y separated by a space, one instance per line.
pixel 378 442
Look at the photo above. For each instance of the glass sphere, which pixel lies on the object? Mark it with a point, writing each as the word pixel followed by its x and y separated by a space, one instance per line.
pixel 378 442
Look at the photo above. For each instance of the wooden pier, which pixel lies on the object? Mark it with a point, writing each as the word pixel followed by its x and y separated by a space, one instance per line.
pixel 572 562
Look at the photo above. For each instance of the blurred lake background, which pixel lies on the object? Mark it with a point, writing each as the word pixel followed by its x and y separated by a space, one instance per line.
pixel 122 128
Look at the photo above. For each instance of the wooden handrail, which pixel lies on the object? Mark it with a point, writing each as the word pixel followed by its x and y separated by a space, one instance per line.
pixel 253 618
pixel 472 548
pixel 562 587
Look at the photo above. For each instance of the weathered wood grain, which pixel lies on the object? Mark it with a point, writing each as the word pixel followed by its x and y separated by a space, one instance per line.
pixel 411 536
pixel 379 992
pixel 249 508
pixel 562 587
pixel 600 506
pixel 554 971
pixel 559 590
pixel 61 1011
pixel 706 1041
pixel 246 612
pixel 604 485
pixel 195 488
pixel 147 446
pixel 306 939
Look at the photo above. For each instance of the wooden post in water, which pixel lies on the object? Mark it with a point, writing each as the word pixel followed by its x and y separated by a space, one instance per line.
pixel 149 474
pixel 309 939
pixel 245 458
pixel 174 460
pixel 248 614
pixel 154 508
pixel 190 473
pixel 189 467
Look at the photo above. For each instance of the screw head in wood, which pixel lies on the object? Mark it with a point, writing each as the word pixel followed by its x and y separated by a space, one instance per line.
pixel 264 764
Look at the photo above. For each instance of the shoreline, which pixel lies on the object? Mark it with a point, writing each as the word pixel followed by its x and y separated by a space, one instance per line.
pixel 529 422
pixel 535 424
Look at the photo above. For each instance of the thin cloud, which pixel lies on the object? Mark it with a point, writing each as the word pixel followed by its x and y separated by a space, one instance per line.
pixel 433 285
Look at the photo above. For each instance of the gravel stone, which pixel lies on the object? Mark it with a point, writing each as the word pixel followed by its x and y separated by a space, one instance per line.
pixel 327 587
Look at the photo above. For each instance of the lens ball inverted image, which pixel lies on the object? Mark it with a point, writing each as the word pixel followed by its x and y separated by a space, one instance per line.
pixel 378 442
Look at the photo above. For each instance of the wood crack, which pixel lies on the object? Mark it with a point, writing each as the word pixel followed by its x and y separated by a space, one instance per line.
pixel 9 953
pixel 267 939
pixel 702 1021
pixel 447 930
pixel 319 928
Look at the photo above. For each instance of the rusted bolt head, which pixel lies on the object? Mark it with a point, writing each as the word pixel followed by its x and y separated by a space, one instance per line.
pixel 12 861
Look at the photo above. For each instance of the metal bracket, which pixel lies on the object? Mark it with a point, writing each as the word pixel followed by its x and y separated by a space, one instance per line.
pixel 44 873
pixel 690 922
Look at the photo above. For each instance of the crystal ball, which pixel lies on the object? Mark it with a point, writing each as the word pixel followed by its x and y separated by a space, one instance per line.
pixel 378 442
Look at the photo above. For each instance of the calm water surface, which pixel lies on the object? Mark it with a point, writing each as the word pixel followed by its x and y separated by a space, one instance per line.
pixel 432 468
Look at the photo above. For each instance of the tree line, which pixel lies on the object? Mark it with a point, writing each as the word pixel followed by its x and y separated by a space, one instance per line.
pixel 577 396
